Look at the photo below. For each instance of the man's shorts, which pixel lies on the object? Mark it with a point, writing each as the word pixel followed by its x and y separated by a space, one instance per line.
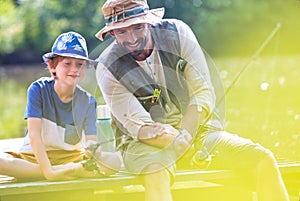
pixel 138 156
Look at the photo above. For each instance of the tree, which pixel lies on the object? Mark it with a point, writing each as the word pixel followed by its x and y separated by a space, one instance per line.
pixel 45 20
pixel 11 27
pixel 236 27
pixel 223 27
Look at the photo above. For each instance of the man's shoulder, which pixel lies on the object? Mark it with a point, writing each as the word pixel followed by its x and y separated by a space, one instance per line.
pixel 166 34
pixel 170 26
pixel 171 21
pixel 111 53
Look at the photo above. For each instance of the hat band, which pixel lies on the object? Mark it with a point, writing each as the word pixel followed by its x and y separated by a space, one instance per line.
pixel 126 15
pixel 70 52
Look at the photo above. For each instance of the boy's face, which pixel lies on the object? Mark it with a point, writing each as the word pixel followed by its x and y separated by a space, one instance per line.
pixel 71 70
pixel 135 38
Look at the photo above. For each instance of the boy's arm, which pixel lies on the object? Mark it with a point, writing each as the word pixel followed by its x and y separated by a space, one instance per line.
pixel 34 131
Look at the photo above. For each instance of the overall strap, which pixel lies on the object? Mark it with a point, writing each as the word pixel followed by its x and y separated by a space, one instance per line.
pixel 165 36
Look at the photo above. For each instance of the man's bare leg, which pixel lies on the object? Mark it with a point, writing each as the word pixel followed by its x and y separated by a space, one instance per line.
pixel 157 184
pixel 270 185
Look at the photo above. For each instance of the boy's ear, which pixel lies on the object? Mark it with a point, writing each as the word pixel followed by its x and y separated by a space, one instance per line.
pixel 51 67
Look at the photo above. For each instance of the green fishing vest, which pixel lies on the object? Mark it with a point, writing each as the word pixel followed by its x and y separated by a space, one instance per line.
pixel 125 69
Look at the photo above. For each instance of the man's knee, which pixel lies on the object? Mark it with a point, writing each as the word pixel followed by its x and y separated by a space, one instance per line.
pixel 267 163
pixel 156 174
pixel 110 162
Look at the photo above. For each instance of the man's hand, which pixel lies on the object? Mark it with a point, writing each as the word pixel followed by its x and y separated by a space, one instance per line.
pixel 92 149
pixel 165 135
pixel 103 163
pixel 182 142
pixel 158 135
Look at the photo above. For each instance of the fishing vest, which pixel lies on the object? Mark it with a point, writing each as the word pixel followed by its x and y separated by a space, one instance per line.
pixel 126 70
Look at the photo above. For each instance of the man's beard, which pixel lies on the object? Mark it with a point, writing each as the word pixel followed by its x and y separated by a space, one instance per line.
pixel 137 52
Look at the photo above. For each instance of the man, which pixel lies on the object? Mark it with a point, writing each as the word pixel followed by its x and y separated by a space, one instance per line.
pixel 155 79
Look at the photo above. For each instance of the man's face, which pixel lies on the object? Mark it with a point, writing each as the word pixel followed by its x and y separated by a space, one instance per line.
pixel 135 38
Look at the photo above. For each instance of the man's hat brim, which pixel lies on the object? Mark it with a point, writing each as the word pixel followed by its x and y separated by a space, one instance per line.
pixel 153 16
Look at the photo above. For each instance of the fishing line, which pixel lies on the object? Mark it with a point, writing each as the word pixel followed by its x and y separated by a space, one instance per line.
pixel 246 66
pixel 253 58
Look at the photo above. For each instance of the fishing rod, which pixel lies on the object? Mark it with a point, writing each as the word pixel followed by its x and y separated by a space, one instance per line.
pixel 254 57
pixel 91 164
pixel 203 157
pixel 246 66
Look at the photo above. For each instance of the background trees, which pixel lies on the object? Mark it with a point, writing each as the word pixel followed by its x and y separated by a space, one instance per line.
pixel 223 27
pixel 262 105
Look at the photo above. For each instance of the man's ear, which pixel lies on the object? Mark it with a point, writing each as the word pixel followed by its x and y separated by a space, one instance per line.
pixel 111 32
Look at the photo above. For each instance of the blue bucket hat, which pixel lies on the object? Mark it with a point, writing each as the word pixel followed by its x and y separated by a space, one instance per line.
pixel 70 44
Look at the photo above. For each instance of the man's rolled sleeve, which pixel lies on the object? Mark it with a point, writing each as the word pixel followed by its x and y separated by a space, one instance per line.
pixel 196 71
pixel 123 104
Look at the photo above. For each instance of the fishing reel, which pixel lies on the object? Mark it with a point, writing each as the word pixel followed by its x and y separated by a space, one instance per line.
pixel 90 163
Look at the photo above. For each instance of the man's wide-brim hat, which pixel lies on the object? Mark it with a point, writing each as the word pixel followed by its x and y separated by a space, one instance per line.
pixel 123 13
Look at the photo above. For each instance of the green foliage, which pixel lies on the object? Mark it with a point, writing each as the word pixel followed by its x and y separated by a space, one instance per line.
pixel 11 27
pixel 223 27
pixel 237 27
pixel 45 20
pixel 36 24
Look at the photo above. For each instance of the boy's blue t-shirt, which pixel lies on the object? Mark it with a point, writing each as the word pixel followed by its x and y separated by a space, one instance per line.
pixel 63 124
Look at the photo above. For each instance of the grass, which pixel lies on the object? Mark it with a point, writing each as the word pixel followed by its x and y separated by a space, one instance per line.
pixel 13 92
pixel 262 105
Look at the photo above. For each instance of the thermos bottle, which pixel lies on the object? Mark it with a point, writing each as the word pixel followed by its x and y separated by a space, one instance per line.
pixel 105 134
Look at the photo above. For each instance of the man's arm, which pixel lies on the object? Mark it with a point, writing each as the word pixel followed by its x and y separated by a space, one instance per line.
pixel 193 118
pixel 165 135
pixel 158 135
pixel 197 75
